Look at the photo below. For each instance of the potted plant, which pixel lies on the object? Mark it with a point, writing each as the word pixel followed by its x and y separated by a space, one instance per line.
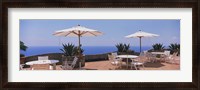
pixel 23 47
pixel 70 51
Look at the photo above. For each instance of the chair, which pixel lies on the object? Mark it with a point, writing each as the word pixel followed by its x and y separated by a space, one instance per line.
pixel 115 55
pixel 43 58
pixel 166 55
pixel 172 58
pixel 150 57
pixel 113 60
pixel 140 61
pixel 66 65
pixel 40 67
pixel 145 52
pixel 21 66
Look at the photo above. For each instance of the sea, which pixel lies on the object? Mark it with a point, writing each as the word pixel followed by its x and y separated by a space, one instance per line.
pixel 88 50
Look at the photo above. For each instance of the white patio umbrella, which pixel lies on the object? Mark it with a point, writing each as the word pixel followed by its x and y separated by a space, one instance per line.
pixel 77 31
pixel 140 34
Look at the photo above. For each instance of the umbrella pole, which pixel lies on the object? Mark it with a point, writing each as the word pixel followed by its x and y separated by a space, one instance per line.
pixel 79 51
pixel 140 43
pixel 79 42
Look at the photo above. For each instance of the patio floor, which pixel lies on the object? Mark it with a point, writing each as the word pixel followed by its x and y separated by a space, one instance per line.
pixel 106 65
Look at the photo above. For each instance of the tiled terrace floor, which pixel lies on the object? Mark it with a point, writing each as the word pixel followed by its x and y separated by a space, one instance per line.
pixel 106 65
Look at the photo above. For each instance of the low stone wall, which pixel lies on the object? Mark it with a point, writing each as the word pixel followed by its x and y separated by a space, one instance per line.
pixel 58 56
pixel 97 57
pixel 55 56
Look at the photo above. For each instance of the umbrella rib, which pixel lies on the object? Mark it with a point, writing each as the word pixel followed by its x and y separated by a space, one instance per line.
pixel 67 34
pixel 92 33
pixel 84 32
pixel 74 32
pixel 57 33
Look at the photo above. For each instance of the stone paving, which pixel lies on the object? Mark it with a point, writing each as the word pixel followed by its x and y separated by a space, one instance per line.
pixel 106 65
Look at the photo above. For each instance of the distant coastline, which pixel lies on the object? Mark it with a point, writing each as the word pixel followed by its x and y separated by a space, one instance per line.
pixel 88 50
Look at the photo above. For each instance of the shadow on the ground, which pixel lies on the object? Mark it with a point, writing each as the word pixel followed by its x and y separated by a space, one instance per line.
pixel 154 65
pixel 147 65
pixel 90 69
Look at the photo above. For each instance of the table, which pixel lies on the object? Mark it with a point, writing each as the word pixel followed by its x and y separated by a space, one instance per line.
pixel 127 56
pixel 44 62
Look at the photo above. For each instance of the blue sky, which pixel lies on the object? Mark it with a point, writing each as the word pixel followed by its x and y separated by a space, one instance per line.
pixel 39 32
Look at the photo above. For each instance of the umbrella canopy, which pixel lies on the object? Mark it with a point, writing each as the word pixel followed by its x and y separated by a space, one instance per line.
pixel 77 31
pixel 141 34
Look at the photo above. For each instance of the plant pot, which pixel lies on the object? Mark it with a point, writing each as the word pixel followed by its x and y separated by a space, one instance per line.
pixel 83 61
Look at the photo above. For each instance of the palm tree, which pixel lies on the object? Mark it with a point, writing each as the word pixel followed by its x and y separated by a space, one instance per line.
pixel 23 46
pixel 124 48
pixel 71 50
pixel 158 47
pixel 174 48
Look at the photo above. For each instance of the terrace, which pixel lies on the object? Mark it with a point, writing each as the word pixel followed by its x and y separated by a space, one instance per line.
pixel 105 64
pixel 130 58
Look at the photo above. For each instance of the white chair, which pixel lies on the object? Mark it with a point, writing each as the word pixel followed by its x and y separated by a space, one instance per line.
pixel 115 55
pixel 163 57
pixel 113 60
pixel 140 61
pixel 145 52
pixel 21 66
pixel 43 58
pixel 137 59
pixel 66 66
pixel 151 57
pixel 166 55
pixel 172 58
